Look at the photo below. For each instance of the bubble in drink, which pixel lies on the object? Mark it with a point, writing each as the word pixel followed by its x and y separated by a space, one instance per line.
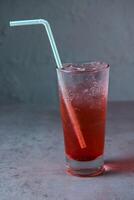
pixel 86 86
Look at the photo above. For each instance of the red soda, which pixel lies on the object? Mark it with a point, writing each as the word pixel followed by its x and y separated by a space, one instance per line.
pixel 88 99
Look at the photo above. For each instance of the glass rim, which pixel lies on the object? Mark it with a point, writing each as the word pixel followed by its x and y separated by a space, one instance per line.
pixel 103 66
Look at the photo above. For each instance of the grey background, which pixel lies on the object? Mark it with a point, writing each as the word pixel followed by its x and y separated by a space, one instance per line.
pixel 84 30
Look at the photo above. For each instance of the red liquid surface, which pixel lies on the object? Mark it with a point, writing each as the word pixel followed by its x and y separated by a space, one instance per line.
pixel 90 111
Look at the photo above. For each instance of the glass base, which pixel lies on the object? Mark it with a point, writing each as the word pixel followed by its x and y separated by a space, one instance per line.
pixel 85 168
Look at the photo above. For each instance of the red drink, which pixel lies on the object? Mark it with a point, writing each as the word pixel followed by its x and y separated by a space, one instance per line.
pixel 86 92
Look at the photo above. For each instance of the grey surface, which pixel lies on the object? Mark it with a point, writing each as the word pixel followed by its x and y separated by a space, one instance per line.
pixel 84 30
pixel 32 157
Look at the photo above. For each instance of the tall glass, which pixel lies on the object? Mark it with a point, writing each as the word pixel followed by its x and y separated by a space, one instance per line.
pixel 83 90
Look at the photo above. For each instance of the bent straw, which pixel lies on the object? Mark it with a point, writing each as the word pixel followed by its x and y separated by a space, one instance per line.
pixel 59 64
pixel 49 33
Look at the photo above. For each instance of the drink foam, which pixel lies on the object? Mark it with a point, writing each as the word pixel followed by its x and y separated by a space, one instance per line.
pixel 84 67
